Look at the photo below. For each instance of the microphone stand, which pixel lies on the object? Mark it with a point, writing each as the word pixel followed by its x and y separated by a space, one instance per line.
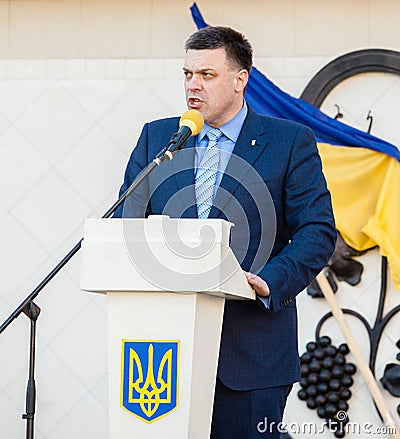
pixel 32 311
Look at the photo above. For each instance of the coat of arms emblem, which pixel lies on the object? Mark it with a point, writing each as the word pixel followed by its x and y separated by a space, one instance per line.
pixel 149 378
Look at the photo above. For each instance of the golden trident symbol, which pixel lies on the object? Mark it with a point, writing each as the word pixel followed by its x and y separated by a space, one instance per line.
pixel 150 390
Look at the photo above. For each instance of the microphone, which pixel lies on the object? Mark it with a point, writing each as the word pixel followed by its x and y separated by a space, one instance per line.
pixel 190 124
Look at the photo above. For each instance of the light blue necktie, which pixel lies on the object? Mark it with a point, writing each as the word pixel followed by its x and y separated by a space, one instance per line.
pixel 207 174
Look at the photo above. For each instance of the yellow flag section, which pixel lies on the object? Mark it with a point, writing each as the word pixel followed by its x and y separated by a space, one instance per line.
pixel 365 189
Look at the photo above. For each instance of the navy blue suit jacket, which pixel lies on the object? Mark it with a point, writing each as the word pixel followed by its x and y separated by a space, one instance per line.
pixel 286 245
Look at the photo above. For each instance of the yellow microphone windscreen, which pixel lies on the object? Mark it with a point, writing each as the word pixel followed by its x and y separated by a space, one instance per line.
pixel 192 119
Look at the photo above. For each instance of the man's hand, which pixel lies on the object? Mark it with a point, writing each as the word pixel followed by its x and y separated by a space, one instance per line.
pixel 259 285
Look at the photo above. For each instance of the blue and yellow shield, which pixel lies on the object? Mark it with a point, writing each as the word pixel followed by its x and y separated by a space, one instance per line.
pixel 149 378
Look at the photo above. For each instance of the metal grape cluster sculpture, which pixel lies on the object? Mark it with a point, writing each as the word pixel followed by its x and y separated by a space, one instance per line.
pixel 326 379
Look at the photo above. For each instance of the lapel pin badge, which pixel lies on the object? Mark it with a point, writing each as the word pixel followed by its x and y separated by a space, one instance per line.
pixel 254 142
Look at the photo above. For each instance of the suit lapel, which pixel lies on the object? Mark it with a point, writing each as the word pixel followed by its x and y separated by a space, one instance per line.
pixel 250 144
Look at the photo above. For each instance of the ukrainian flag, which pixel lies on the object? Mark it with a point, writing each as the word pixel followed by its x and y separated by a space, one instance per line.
pixel 362 171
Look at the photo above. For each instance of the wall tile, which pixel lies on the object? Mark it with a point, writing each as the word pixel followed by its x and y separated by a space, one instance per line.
pixel 15 361
pixel 56 69
pixel 153 68
pixel 269 26
pixel 386 88
pixel 17 95
pixel 26 281
pixel 102 29
pixel 3 211
pixel 17 69
pixel 328 27
pixel 117 29
pixel 100 391
pixel 4 124
pixel 172 24
pixel 62 295
pixel 294 67
pixel 384 31
pixel 96 96
pixel 115 68
pixel 53 122
pixel 86 358
pixel 3 69
pixel 17 157
pixel 44 28
pixel 4 28
pixel 213 12
pixel 75 68
pixel 83 166
pixel 292 85
pixel 366 296
pixel 95 68
pixel 51 210
pixel 64 382
pixel 172 95
pixel 387 347
pixel 10 416
pixel 73 268
pixel 392 297
pixel 68 241
pixel 173 68
pixel 71 426
pixel 123 123
pixel 36 68
pixel 112 197
pixel 19 248
pixel 134 68
pixel 272 67
pixel 315 63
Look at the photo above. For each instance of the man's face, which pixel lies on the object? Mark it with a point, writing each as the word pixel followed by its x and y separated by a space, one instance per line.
pixel 213 86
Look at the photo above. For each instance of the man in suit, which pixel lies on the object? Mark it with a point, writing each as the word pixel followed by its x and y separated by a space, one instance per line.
pixel 267 175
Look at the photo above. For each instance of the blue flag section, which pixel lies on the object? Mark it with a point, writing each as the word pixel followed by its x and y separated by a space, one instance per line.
pixel 266 98
pixel 149 378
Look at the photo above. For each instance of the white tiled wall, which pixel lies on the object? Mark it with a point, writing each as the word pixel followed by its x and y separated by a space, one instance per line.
pixel 157 28
pixel 78 78
pixel 66 130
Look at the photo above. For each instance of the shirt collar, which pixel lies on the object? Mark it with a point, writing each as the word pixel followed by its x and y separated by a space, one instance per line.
pixel 230 129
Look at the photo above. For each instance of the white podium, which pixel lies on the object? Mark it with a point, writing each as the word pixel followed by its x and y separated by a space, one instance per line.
pixel 166 281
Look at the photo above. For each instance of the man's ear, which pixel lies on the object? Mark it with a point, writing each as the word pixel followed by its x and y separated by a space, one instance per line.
pixel 241 79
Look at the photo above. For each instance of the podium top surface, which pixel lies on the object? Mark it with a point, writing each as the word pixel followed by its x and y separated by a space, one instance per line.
pixel 161 254
pixel 158 228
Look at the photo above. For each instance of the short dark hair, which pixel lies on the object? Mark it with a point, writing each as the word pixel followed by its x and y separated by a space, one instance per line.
pixel 238 48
